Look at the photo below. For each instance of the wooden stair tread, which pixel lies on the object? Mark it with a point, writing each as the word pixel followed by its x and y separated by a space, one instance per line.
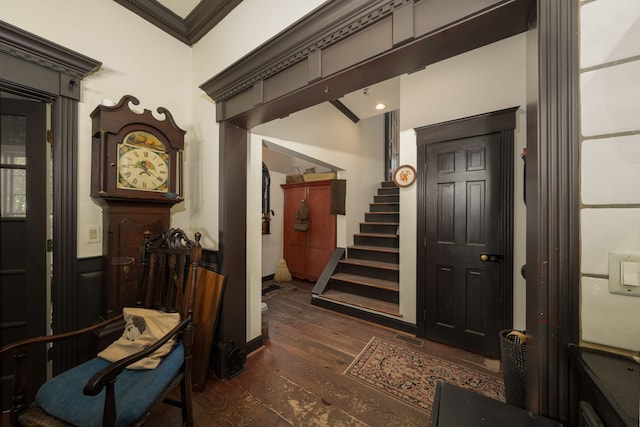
pixel 374 248
pixel 367 281
pixel 362 302
pixel 379 223
pixel 392 236
pixel 370 263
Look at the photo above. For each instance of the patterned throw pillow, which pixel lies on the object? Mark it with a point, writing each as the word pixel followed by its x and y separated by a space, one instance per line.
pixel 143 327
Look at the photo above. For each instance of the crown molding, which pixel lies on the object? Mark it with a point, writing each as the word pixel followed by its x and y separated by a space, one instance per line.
pixel 189 30
pixel 331 23
pixel 31 48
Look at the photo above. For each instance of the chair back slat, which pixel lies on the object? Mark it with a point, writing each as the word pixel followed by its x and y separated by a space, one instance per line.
pixel 168 262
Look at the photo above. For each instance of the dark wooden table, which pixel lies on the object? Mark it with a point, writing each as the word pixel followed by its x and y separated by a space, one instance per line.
pixel 456 407
pixel 609 382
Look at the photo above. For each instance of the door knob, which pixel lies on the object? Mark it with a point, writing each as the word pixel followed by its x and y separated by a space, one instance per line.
pixel 491 257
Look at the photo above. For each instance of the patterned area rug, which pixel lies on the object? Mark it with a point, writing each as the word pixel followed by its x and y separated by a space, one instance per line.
pixel 412 376
pixel 272 288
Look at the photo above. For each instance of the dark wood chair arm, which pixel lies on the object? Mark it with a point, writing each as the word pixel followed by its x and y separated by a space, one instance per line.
pixel 23 345
pixel 108 374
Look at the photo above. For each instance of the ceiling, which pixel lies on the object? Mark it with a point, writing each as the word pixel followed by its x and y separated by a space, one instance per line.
pixel 190 20
pixel 182 8
pixel 363 102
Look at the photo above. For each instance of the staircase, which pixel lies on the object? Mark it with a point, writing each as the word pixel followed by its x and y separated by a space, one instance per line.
pixel 364 280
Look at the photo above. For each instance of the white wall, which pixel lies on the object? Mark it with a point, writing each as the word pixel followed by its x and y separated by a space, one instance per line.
pixel 245 28
pixel 487 79
pixel 138 59
pixel 325 134
pixel 610 165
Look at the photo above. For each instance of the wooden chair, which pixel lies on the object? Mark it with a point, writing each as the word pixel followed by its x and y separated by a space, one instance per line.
pixel 99 392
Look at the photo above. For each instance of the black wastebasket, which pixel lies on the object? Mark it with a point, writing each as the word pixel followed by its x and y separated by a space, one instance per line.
pixel 512 349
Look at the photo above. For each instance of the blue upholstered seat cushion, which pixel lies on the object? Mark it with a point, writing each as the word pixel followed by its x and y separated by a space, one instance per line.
pixel 136 391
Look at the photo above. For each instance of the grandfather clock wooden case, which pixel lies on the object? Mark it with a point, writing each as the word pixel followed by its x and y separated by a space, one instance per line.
pixel 136 178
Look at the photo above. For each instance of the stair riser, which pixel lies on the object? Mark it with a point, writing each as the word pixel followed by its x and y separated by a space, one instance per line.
pixel 383 191
pixel 367 271
pixel 380 217
pixel 384 207
pixel 375 293
pixel 387 199
pixel 384 242
pixel 388 184
pixel 392 258
pixel 379 228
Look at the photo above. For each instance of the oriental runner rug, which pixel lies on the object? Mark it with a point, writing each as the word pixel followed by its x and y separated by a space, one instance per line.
pixel 411 376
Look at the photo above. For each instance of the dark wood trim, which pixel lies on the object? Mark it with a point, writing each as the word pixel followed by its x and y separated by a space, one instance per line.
pixel 553 271
pixel 233 244
pixel 60 67
pixel 210 260
pixel 255 344
pixel 31 48
pixel 345 110
pixel 64 295
pixel 481 124
pixel 206 15
pixel 158 15
pixel 359 38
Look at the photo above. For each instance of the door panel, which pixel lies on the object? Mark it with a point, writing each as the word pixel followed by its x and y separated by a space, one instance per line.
pixel 23 219
pixel 463 221
pixel 295 243
pixel 321 237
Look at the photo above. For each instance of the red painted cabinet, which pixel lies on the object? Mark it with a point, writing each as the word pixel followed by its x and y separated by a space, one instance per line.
pixel 308 252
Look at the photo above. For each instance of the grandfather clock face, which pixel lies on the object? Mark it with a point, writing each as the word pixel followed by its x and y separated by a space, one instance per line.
pixel 143 163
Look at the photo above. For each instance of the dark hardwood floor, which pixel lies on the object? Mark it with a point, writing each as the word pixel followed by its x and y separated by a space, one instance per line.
pixel 297 378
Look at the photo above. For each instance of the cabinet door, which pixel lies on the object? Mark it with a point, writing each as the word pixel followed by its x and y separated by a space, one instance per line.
pixel 321 239
pixel 295 242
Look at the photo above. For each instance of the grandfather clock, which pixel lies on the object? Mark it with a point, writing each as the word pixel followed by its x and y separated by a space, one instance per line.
pixel 136 177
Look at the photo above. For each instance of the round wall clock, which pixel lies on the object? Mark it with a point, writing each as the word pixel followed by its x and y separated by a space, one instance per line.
pixel 404 176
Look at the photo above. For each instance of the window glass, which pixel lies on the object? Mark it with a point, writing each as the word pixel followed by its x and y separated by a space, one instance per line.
pixel 13 161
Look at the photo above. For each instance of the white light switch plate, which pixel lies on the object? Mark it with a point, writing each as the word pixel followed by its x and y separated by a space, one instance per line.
pixel 631 263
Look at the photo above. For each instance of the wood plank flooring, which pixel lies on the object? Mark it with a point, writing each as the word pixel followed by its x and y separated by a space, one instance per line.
pixel 297 378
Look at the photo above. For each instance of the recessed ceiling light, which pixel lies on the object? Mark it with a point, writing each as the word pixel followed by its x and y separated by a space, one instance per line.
pixel 380 106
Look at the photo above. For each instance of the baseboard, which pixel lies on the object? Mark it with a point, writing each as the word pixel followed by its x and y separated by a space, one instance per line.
pixel 255 344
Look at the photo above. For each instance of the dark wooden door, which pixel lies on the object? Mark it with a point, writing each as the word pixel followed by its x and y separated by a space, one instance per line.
pixel 465 224
pixel 23 272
